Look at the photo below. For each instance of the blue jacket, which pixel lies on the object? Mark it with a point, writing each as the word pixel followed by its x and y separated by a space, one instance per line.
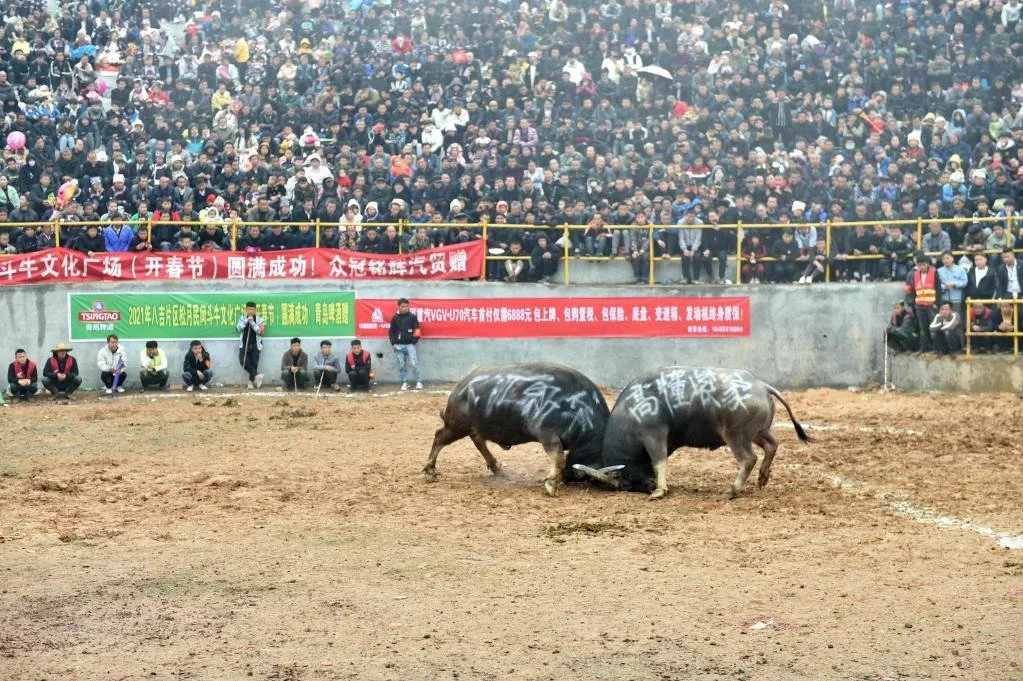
pixel 954 275
pixel 118 242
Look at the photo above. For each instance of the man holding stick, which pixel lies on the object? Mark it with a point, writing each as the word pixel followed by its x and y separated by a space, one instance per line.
pixel 326 367
pixel 251 327
pixel 295 366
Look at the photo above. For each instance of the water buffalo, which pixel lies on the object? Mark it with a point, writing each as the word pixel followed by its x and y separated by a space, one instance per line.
pixel 518 403
pixel 678 406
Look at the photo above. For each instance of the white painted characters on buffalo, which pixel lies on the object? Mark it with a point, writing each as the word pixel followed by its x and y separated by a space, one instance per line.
pixel 640 403
pixel 684 389
pixel 539 399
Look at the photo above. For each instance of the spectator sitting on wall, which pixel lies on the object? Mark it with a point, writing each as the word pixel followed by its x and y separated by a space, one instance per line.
pixel 370 241
pixel 946 331
pixel 544 259
pixel 898 252
pixel 517 266
pixel 1001 321
pixel 903 334
pixel 390 243
pixel 786 251
pixel 29 241
pixel 91 241
pixel 982 320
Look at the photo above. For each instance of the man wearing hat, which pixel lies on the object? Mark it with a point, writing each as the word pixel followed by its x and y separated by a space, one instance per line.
pixel 60 372
pixel 922 294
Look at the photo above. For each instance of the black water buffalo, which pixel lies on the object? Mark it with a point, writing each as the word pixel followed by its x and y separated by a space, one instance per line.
pixel 518 403
pixel 678 406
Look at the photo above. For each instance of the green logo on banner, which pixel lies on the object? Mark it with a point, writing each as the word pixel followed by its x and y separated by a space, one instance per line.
pixel 208 316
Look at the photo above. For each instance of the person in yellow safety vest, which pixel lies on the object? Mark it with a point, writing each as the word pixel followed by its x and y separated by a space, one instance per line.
pixel 922 294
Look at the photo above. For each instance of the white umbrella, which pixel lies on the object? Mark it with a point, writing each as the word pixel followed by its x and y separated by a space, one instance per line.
pixel 658 71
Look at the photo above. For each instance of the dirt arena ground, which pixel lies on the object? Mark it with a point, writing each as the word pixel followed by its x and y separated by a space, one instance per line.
pixel 278 537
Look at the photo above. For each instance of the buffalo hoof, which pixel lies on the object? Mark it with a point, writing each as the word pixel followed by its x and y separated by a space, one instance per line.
pixel 732 493
pixel 551 488
pixel 658 494
pixel 498 471
pixel 431 476
pixel 762 480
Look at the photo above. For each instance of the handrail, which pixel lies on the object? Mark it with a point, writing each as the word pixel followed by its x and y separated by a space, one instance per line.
pixel 968 322
pixel 234 228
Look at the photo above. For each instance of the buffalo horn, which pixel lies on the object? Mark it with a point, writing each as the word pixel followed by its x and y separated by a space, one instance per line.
pixel 608 475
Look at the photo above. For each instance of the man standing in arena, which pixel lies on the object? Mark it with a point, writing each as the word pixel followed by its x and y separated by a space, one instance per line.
pixel 922 291
pixel 404 335
pixel 251 327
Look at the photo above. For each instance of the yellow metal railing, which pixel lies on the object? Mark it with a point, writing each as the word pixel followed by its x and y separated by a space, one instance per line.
pixel 234 230
pixel 1015 334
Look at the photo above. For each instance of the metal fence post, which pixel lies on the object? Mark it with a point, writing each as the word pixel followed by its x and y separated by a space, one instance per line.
pixel 738 252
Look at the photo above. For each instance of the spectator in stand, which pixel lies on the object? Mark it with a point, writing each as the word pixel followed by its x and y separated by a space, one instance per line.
pixel 22 376
pixel 980 279
pixel 952 282
pixel 1009 278
pixel 785 252
pixel 91 241
pixel 1002 323
pixel 753 253
pixel 936 240
pixel 982 320
pixel 543 261
pixel 60 373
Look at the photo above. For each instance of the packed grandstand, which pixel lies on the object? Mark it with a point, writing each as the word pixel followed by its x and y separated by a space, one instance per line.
pixel 697 130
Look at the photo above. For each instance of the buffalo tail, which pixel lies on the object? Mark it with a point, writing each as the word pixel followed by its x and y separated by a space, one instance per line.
pixel 803 437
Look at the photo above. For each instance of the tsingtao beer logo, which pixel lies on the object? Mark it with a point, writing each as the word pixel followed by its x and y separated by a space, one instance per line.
pixel 99 313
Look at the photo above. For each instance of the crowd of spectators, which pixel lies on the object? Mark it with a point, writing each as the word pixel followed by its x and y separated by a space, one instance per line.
pixel 594 114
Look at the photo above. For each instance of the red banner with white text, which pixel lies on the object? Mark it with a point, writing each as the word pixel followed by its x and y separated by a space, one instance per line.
pixel 563 317
pixel 61 265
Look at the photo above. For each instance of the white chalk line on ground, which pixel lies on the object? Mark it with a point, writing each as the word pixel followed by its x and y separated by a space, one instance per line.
pixel 925 516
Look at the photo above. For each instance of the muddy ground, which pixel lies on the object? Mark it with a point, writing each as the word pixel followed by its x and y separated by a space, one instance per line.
pixel 278 537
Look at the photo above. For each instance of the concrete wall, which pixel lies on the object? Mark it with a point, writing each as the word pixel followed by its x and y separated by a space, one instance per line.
pixel 976 374
pixel 803 336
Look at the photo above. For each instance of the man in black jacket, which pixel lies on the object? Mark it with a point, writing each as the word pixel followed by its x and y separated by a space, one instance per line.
pixel 197 369
pixel 404 334
pixel 1009 281
pixel 91 241
pixel 717 243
